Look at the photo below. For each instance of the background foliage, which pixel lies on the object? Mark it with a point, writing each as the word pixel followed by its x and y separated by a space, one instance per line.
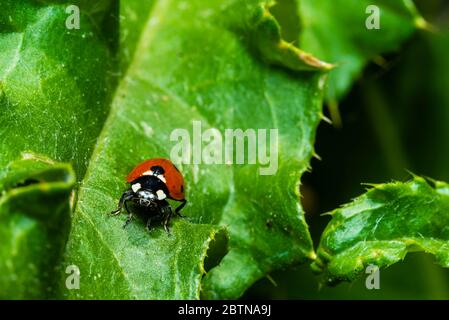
pixel 392 119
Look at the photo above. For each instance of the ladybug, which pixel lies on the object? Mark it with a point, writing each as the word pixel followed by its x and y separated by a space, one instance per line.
pixel 152 182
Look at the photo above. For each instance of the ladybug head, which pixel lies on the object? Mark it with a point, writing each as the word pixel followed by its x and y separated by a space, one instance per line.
pixel 146 198
pixel 148 190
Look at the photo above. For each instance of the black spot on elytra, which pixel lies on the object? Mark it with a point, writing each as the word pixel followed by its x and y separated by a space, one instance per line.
pixel 157 170
pixel 182 188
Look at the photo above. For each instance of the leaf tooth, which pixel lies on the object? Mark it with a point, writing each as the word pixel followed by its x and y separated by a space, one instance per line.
pixel 326 119
pixel 267 39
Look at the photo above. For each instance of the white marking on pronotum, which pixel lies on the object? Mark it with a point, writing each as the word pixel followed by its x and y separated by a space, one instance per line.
pixel 136 187
pixel 161 195
pixel 148 173
pixel 151 173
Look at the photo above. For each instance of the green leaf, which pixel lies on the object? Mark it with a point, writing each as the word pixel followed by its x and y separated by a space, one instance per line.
pixel 336 32
pixel 47 76
pixel 134 15
pixel 34 225
pixel 381 226
pixel 221 63
pixel 48 107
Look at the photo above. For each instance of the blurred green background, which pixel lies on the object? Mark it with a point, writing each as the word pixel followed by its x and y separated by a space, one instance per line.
pixel 396 116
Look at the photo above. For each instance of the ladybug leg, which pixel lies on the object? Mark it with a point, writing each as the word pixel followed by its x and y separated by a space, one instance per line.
pixel 130 214
pixel 180 207
pixel 130 218
pixel 166 221
pixel 127 195
pixel 149 224
pixel 166 214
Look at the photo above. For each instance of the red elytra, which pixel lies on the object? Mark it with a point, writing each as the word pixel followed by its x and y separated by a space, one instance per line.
pixel 173 177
